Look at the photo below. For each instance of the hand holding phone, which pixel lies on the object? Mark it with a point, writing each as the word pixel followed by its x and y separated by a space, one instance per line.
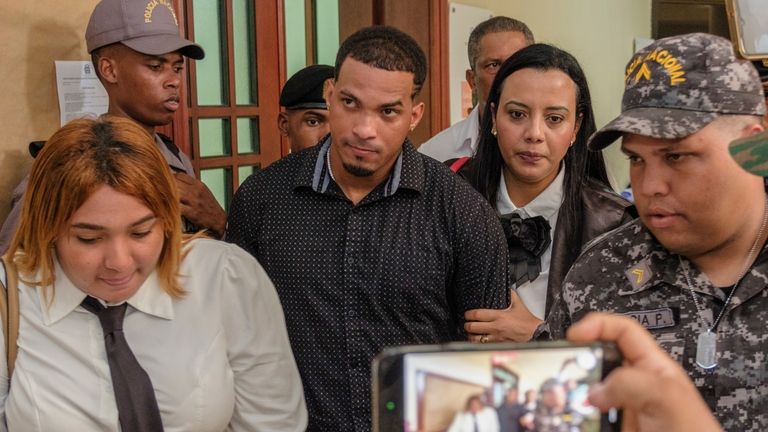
pixel 491 388
pixel 653 390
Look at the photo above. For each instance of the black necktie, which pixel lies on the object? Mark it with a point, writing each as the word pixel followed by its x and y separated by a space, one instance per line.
pixel 527 239
pixel 136 403
pixel 475 427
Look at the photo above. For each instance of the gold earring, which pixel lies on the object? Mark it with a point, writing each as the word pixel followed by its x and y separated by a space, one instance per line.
pixel 493 131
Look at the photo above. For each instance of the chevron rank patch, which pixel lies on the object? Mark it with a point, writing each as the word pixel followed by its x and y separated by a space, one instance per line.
pixel 638 274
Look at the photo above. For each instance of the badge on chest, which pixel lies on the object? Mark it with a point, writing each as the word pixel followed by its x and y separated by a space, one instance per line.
pixel 656 318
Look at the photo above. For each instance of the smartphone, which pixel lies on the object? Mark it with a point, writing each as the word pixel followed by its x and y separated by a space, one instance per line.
pixel 488 387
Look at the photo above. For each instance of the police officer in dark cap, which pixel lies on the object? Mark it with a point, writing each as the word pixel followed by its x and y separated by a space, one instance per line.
pixel 305 119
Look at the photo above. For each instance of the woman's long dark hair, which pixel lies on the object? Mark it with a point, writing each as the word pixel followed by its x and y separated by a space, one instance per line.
pixel 580 163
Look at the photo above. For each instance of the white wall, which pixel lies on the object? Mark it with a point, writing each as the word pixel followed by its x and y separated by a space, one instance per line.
pixel 600 34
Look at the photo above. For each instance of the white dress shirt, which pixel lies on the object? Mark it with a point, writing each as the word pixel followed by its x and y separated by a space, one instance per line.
pixel 486 420
pixel 457 141
pixel 219 358
pixel 547 205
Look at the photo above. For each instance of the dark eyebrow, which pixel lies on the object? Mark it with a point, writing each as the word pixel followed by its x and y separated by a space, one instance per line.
pixel 558 108
pixel 397 103
pixel 550 108
pixel 625 150
pixel 316 112
pixel 348 94
pixel 669 147
pixel 93 227
pixel 516 104
pixel 163 59
pixel 156 58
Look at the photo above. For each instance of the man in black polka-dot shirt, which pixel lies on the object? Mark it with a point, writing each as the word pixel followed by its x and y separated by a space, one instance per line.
pixel 369 243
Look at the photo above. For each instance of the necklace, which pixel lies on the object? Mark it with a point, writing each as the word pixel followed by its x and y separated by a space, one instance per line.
pixel 328 163
pixel 706 345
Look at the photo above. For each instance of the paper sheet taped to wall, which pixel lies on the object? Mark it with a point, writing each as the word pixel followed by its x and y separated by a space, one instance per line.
pixel 80 91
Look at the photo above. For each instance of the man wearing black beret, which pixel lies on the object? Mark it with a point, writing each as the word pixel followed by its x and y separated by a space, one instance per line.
pixel 305 119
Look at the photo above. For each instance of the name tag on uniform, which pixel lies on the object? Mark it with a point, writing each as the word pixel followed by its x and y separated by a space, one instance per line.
pixel 654 319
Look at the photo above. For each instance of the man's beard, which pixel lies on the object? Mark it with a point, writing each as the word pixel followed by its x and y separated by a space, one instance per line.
pixel 356 170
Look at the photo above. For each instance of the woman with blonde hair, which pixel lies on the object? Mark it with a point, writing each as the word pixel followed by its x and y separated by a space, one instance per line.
pixel 124 324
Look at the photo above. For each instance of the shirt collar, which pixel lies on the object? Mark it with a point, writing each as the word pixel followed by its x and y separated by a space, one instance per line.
pixel 150 298
pixel 546 204
pixel 408 171
pixel 172 159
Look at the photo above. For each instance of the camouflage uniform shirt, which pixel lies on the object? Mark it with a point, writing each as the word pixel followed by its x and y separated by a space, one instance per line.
pixel 627 271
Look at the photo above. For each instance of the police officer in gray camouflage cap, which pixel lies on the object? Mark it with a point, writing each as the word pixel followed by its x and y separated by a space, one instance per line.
pixel 693 268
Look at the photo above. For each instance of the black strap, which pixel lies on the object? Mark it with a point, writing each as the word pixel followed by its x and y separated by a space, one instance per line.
pixel 9 311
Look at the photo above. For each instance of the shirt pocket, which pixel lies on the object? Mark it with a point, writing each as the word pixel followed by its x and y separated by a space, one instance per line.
pixel 672 344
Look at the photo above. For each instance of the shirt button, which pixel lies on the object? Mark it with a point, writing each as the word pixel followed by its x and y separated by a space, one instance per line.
pixel 350 260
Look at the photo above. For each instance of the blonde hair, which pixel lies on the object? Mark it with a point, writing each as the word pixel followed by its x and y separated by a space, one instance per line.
pixel 75 161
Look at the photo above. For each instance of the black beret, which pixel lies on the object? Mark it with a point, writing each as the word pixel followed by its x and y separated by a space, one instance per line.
pixel 305 88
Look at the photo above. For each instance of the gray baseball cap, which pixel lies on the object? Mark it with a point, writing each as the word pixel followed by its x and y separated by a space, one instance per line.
pixel 678 85
pixel 147 26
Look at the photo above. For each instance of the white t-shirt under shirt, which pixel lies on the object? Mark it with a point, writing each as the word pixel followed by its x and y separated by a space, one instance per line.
pixel 547 205
pixel 456 141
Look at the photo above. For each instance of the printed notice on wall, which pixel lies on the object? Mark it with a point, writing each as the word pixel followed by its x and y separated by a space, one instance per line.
pixel 80 91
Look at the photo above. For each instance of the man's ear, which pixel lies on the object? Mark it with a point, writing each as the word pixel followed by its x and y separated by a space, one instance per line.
pixel 282 123
pixel 107 67
pixel 328 88
pixel 752 129
pixel 469 75
pixel 416 113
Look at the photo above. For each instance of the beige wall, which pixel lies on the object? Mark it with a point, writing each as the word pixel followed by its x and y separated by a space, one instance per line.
pixel 600 34
pixel 32 35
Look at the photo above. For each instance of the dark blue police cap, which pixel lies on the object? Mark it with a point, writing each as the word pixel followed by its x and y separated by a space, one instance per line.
pixel 305 88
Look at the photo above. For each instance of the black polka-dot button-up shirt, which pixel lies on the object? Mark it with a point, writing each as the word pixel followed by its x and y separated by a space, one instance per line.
pixel 401 267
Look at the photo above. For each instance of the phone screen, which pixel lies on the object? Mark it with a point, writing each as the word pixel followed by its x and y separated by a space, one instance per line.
pixel 531 387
